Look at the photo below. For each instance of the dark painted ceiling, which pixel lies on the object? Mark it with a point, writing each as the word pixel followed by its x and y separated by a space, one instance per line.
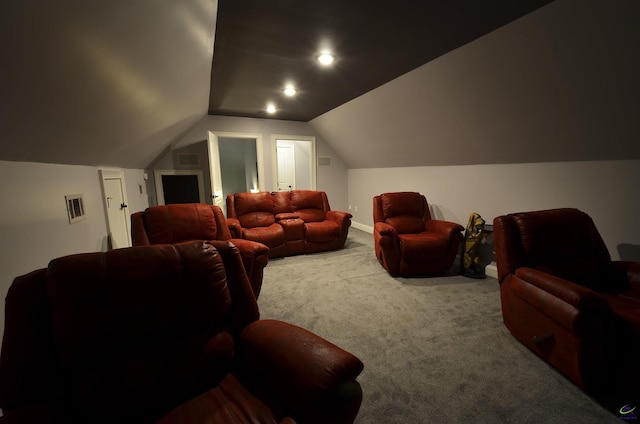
pixel 261 46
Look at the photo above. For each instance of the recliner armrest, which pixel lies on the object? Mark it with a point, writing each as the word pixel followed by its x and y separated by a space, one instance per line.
pixel 443 227
pixel 575 308
pixel 385 229
pixel 235 228
pixel 315 377
pixel 250 247
pixel 581 298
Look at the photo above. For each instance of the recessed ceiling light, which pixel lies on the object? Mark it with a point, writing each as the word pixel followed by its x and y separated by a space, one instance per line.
pixel 326 58
pixel 271 108
pixel 290 91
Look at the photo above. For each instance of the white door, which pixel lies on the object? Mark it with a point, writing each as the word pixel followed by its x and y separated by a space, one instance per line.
pixel 115 201
pixel 286 167
pixel 215 172
pixel 303 162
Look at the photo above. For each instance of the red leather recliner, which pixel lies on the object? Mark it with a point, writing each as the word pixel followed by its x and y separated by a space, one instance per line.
pixel 196 221
pixel 407 240
pixel 565 299
pixel 162 333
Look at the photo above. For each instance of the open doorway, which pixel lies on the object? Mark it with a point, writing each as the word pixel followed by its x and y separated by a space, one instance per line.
pixel 179 186
pixel 295 160
pixel 239 156
pixel 236 164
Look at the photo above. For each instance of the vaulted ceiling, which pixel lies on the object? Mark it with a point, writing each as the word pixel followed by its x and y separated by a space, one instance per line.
pixel 262 46
pixel 102 83
pixel 116 83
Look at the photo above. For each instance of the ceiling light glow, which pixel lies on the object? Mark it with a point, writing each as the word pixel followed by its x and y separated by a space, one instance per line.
pixel 326 58
pixel 271 108
pixel 290 91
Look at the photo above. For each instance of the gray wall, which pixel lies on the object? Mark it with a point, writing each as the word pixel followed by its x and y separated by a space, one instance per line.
pixel 560 84
pixel 606 190
pixel 237 163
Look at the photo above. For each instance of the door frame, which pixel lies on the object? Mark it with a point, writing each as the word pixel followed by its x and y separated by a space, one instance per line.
pixel 312 155
pixel 111 174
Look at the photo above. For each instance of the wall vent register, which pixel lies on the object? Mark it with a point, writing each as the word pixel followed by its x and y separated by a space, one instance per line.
pixel 188 159
pixel 75 208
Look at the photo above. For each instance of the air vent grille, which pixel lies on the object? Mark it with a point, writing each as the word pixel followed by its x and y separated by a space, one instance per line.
pixel 188 159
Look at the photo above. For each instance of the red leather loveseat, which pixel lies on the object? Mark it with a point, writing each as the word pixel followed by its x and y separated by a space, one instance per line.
pixel 162 333
pixel 196 221
pixel 288 222
pixel 565 299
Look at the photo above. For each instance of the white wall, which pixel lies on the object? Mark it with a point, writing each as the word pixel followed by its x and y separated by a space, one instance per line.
pixel 606 190
pixel 332 179
pixel 34 227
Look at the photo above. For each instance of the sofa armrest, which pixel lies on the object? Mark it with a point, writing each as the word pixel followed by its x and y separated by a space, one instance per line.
pixel 338 216
pixel 315 377
pixel 443 227
pixel 235 228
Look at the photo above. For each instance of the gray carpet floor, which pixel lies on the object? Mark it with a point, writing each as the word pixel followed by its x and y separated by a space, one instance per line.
pixel 435 349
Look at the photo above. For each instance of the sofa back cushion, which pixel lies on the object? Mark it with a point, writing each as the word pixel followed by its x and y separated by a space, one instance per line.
pixel 254 209
pixel 404 211
pixel 309 205
pixel 564 242
pixel 281 202
pixel 134 326
pixel 181 222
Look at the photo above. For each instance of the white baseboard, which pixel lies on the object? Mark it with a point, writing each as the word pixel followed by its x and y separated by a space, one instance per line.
pixel 491 270
pixel 359 226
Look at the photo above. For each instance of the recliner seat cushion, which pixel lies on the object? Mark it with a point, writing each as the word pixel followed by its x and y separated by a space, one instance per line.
pixel 321 232
pixel 272 235
pixel 229 403
pixel 419 247
pixel 308 205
